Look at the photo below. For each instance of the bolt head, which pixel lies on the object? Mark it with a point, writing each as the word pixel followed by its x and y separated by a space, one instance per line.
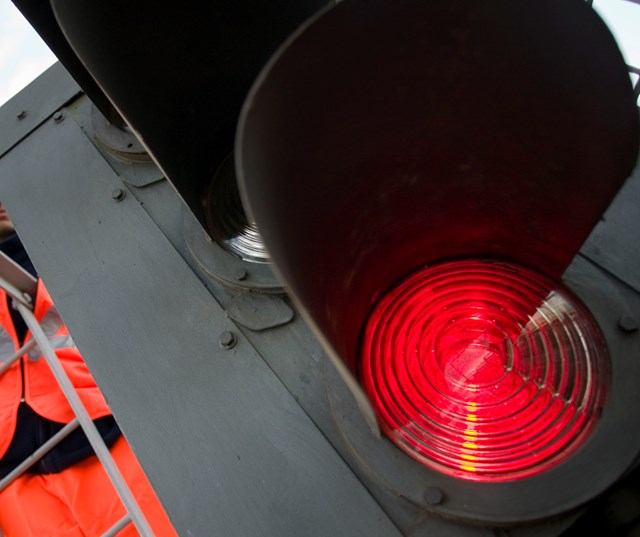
pixel 628 323
pixel 118 194
pixel 58 117
pixel 241 275
pixel 227 340
pixel 433 496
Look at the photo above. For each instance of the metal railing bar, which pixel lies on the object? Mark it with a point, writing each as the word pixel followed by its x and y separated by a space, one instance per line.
pixel 121 524
pixel 86 423
pixel 18 354
pixel 39 453
pixel 17 276
pixel 15 293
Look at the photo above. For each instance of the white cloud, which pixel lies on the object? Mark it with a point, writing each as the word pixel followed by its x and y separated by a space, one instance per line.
pixel 23 74
pixel 623 19
pixel 23 55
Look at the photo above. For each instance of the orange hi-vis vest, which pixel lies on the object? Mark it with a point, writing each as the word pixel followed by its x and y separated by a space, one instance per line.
pixel 30 379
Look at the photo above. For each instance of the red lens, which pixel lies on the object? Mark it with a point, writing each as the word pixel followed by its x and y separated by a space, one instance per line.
pixel 483 370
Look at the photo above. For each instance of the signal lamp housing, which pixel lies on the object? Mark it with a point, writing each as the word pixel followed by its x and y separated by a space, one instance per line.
pixel 385 136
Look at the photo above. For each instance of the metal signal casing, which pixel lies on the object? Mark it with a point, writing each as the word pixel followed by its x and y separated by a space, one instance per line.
pixel 426 132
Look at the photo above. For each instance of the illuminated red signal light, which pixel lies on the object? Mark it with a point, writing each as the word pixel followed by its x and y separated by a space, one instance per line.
pixel 484 370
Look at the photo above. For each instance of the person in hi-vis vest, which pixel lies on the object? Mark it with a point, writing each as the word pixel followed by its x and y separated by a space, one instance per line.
pixel 67 492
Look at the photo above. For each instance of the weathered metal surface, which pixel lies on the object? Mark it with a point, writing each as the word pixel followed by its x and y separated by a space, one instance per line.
pixel 614 243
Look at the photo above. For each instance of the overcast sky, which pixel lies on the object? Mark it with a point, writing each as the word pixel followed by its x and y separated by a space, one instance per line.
pixel 23 55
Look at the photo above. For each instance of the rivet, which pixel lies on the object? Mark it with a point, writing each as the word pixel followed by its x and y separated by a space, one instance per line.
pixel 22 114
pixel 227 340
pixel 118 194
pixel 628 323
pixel 58 117
pixel 241 275
pixel 433 496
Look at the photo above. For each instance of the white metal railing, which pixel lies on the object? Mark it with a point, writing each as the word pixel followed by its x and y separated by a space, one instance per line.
pixel 18 284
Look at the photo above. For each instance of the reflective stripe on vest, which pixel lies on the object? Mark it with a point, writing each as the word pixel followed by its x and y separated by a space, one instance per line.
pixel 34 383
pixel 6 345
pixel 51 323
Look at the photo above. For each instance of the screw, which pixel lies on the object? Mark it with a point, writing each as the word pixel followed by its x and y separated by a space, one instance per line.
pixel 118 194
pixel 628 323
pixel 241 275
pixel 22 115
pixel 227 340
pixel 58 117
pixel 433 496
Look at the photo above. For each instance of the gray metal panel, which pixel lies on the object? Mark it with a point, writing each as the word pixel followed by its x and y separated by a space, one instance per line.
pixel 614 244
pixel 228 450
pixel 24 112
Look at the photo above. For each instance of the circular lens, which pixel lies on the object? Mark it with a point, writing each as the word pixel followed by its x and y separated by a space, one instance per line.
pixel 226 218
pixel 484 370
